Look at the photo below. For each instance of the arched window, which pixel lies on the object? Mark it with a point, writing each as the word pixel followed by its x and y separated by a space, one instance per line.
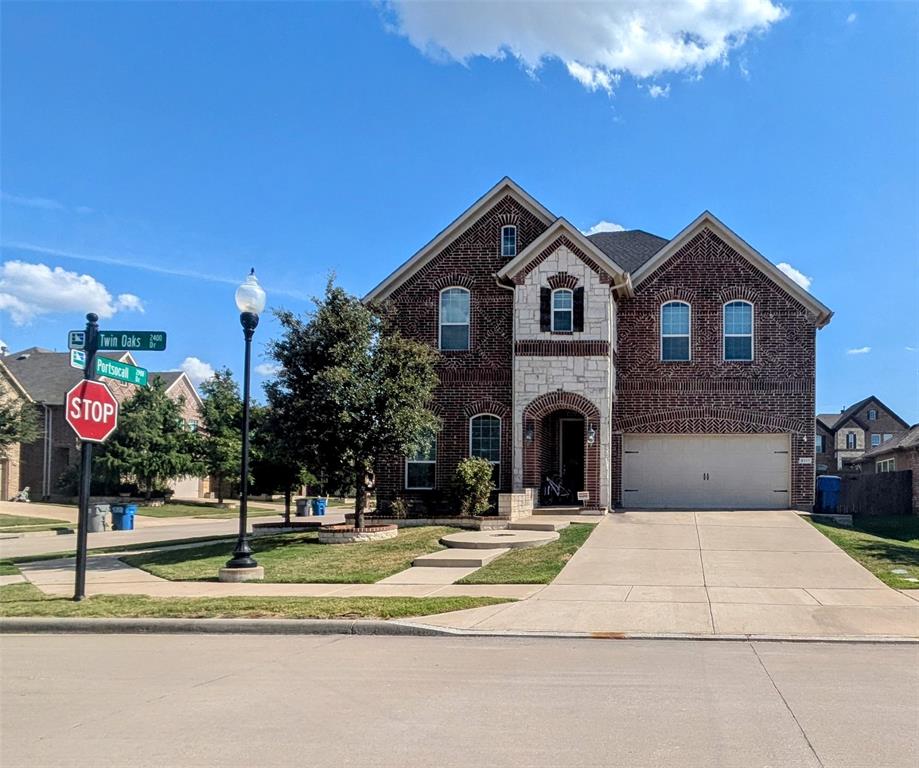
pixel 509 241
pixel 485 441
pixel 454 319
pixel 738 331
pixel 675 331
pixel 563 310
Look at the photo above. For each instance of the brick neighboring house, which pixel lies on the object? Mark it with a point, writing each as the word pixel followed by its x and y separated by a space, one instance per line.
pixel 843 437
pixel 647 372
pixel 47 376
pixel 10 482
pixel 896 455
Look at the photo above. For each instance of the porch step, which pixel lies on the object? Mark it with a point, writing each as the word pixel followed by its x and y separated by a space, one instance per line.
pixel 535 524
pixel 458 558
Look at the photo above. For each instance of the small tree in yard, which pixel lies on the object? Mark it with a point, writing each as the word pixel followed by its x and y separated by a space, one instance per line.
pixel 152 444
pixel 353 391
pixel 473 486
pixel 221 433
pixel 18 423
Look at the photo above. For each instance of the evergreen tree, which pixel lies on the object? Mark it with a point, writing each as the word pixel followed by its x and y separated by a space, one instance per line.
pixel 350 391
pixel 221 432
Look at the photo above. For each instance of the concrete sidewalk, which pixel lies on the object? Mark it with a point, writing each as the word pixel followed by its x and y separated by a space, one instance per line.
pixel 706 573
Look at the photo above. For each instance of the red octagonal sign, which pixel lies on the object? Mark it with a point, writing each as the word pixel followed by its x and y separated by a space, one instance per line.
pixel 92 411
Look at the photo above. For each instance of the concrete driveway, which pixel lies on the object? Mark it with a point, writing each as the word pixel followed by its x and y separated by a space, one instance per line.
pixel 704 573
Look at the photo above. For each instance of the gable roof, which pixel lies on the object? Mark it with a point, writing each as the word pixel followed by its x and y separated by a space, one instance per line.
pixel 707 220
pixel 631 247
pixel 506 186
pixel 834 421
pixel 562 227
pixel 900 443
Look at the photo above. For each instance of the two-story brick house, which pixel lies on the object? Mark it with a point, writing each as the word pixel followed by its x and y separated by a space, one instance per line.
pixel 844 437
pixel 643 371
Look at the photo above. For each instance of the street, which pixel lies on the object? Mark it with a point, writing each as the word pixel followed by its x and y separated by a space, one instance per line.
pixel 195 700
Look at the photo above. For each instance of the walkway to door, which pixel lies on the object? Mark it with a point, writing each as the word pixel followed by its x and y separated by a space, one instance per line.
pixel 723 573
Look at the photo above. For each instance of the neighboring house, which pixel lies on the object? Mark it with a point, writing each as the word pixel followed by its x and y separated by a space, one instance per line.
pixel 643 371
pixel 845 436
pixel 47 376
pixel 10 481
pixel 896 455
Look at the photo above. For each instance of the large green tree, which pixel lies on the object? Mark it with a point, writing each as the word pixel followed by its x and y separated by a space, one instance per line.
pixel 152 444
pixel 19 423
pixel 221 432
pixel 352 390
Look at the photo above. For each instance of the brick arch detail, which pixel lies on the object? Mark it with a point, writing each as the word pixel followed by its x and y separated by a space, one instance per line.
pixel 533 416
pixel 675 294
pixel 453 280
pixel 709 419
pixel 562 280
pixel 485 406
pixel 738 293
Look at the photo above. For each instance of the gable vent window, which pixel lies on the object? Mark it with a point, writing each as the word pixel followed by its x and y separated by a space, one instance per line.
pixel 454 319
pixel 872 414
pixel 738 331
pixel 675 333
pixel 509 241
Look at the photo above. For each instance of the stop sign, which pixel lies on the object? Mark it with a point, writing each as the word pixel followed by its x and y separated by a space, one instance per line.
pixel 92 411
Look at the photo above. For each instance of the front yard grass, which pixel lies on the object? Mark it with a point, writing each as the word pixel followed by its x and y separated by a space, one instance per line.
pixel 299 557
pixel 28 600
pixel 533 566
pixel 201 510
pixel 24 524
pixel 882 545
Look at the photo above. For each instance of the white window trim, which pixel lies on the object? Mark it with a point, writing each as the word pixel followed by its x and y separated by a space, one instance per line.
pixel 873 437
pixel 500 435
pixel 875 412
pixel 881 465
pixel 854 441
pixel 674 335
pixel 421 461
pixel 552 309
pixel 441 323
pixel 501 247
pixel 724 334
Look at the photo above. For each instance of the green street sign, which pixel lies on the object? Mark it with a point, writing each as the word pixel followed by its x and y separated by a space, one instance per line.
pixel 113 369
pixel 135 341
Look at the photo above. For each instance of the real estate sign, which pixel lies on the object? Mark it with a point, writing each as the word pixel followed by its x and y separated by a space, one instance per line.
pixel 144 341
pixel 115 369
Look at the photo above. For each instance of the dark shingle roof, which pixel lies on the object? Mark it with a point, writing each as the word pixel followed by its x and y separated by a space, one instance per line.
pixel 901 442
pixel 630 248
pixel 828 419
pixel 832 420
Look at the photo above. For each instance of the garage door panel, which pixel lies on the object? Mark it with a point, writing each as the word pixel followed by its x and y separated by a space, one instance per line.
pixel 706 471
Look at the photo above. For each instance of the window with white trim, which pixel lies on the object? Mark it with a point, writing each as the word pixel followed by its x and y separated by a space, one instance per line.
pixel 738 331
pixel 675 331
pixel 886 465
pixel 851 441
pixel 872 414
pixel 875 441
pixel 562 309
pixel 454 319
pixel 485 441
pixel 421 467
pixel 509 241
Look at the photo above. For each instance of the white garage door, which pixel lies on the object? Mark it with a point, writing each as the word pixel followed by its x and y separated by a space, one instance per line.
pixel 705 471
pixel 186 487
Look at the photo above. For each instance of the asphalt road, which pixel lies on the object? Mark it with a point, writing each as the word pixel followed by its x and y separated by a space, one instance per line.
pixel 196 700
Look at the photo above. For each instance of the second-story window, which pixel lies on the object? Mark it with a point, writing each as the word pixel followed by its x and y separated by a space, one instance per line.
pixel 509 241
pixel 562 309
pixel 454 319
pixel 875 441
pixel 872 414
pixel 675 331
pixel 850 441
pixel 738 331
pixel 818 444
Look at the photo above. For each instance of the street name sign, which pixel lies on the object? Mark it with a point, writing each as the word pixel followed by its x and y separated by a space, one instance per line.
pixel 92 411
pixel 136 341
pixel 77 359
pixel 115 369
pixel 76 340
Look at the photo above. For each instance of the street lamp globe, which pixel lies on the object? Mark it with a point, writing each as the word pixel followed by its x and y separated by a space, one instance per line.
pixel 249 296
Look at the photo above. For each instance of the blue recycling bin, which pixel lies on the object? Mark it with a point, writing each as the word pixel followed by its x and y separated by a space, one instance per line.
pixel 318 507
pixel 123 517
pixel 828 489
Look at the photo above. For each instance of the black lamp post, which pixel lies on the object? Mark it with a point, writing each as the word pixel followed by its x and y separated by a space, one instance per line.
pixel 250 300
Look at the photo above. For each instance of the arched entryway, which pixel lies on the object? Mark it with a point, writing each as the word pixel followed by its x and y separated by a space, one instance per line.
pixel 561 440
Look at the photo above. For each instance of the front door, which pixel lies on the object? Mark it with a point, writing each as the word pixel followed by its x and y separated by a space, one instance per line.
pixel 571 454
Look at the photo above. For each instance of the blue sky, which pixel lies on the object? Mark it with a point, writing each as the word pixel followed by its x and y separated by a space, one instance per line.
pixel 152 153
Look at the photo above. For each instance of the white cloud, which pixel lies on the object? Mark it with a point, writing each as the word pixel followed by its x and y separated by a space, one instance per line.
pixel 858 351
pixel 850 19
pixel 4 347
pixel 909 348
pixel 658 92
pixel 267 369
pixel 598 42
pixel 196 370
pixel 30 290
pixel 604 226
pixel 795 274
pixel 130 302
pixel 42 203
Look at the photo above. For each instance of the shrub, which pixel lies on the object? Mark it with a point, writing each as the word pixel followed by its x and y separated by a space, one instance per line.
pixel 472 486
pixel 398 508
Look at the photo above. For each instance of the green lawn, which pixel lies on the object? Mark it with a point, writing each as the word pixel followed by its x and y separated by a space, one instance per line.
pixel 299 557
pixel 201 510
pixel 24 524
pixel 28 600
pixel 882 545
pixel 533 566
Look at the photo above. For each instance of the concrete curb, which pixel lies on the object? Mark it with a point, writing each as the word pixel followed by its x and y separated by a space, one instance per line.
pixel 30 625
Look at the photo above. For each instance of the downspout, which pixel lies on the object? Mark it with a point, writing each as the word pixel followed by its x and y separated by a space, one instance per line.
pixel 513 290
pixel 46 454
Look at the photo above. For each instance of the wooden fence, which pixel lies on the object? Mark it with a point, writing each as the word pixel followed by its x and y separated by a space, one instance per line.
pixel 873 495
